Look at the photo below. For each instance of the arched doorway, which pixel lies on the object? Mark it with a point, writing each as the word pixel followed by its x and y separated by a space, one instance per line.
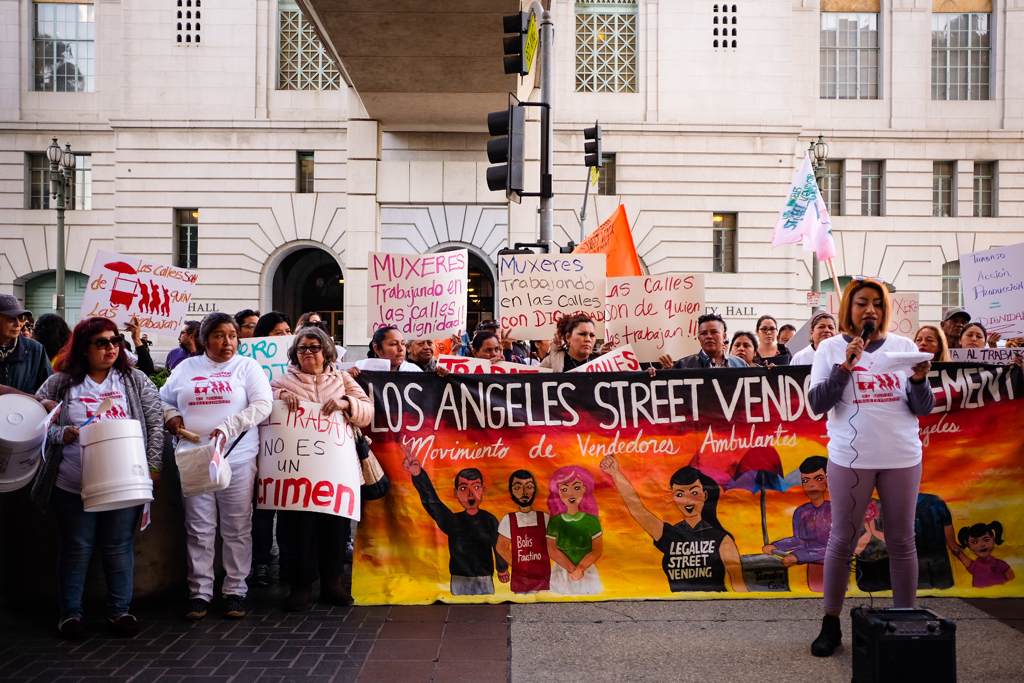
pixel 310 279
pixel 39 293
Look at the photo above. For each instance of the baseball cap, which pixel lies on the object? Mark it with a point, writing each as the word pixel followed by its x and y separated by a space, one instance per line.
pixel 955 312
pixel 9 305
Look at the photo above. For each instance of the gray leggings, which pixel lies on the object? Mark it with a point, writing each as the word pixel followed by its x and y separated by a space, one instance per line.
pixel 897 493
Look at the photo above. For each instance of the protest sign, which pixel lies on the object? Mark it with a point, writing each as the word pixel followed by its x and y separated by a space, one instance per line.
pixel 464 365
pixel 506 368
pixel 906 312
pixel 993 286
pixel 121 287
pixel 622 359
pixel 614 239
pixel 270 352
pixel 535 290
pixel 656 315
pixel 307 462
pixel 424 296
pixel 739 435
pixel 999 356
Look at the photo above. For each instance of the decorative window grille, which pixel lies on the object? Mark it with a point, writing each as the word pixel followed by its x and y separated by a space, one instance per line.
pixel 832 187
pixel 943 182
pixel 725 20
pixel 303 63
pixel 189 36
pixel 64 46
pixel 871 175
pixel 849 56
pixel 606 46
pixel 186 234
pixel 724 240
pixel 961 54
pixel 80 196
pixel 984 189
pixel 952 296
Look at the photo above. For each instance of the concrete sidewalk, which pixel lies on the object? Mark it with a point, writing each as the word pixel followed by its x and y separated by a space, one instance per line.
pixel 688 640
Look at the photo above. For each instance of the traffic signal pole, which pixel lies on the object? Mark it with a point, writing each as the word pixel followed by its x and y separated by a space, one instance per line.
pixel 547 94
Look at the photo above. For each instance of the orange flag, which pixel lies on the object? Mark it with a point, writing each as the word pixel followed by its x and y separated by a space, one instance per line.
pixel 614 239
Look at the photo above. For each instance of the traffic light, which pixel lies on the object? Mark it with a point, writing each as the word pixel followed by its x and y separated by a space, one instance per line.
pixel 507 149
pixel 515 46
pixel 592 146
pixel 567 249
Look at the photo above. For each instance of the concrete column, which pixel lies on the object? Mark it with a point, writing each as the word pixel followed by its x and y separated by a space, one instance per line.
pixel 362 234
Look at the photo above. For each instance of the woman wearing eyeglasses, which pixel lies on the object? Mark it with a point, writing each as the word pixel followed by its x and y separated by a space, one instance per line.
pixel 94 367
pixel 318 541
pixel 219 395
pixel 769 350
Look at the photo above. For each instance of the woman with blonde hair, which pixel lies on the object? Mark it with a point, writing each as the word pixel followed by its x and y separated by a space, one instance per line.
pixel 874 442
pixel 931 339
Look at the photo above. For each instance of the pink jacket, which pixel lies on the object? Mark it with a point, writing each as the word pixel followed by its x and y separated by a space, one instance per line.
pixel 320 388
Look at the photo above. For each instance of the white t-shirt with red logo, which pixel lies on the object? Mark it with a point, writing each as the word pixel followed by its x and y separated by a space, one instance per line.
pixel 207 393
pixel 872 421
pixel 83 400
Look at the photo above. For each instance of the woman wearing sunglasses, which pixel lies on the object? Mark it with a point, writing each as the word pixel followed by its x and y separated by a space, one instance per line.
pixel 318 541
pixel 94 367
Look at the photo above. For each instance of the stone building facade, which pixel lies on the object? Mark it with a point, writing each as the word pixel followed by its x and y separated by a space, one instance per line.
pixel 223 136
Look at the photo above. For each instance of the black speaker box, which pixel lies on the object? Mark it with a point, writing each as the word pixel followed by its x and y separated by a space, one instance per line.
pixel 902 645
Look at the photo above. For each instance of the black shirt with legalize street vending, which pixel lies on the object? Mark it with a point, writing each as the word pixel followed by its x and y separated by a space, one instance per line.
pixel 692 557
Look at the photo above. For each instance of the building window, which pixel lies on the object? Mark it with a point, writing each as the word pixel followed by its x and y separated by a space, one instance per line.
pixel 952 296
pixel 984 189
pixel 64 58
pixel 961 47
pixel 302 63
pixel 186 237
pixel 305 172
pixel 832 187
pixel 606 181
pixel 943 184
pixel 849 56
pixel 725 20
pixel 724 239
pixel 606 46
pixel 79 197
pixel 871 188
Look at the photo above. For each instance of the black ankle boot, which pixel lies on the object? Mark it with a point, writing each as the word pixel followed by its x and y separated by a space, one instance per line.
pixel 830 638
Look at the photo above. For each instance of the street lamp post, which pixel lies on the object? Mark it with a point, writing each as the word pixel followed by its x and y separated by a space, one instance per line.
pixel 62 173
pixel 819 153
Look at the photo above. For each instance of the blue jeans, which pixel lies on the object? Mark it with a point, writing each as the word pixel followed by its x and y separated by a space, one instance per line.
pixel 79 531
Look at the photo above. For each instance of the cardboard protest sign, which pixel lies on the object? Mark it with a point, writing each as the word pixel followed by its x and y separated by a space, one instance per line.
pixel 270 352
pixel 121 287
pixel 622 359
pixel 656 315
pixel 308 462
pixel 424 296
pixel 1000 356
pixel 993 285
pixel 906 312
pixel 627 439
pixel 535 290
pixel 465 365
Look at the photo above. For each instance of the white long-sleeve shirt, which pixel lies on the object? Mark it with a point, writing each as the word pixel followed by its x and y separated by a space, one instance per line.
pixel 233 397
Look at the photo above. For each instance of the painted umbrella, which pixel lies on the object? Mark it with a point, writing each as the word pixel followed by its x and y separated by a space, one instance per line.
pixel 758 471
pixel 121 267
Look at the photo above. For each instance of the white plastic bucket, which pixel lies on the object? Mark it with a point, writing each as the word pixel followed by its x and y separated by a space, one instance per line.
pixel 115 473
pixel 20 439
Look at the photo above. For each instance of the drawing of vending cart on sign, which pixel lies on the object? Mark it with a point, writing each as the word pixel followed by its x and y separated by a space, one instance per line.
pixel 124 289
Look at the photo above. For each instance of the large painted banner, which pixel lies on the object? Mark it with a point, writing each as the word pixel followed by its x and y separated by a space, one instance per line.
pixel 690 484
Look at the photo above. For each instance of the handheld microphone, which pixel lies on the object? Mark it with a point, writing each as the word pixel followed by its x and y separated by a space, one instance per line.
pixel 869 329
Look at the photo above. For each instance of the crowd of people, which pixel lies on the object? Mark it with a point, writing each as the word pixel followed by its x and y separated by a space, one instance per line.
pixel 82 366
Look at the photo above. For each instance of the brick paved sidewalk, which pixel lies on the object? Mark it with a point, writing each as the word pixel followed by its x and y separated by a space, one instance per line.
pixel 321 645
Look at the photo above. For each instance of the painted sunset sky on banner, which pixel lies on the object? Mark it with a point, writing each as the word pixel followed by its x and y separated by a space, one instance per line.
pixel 746 434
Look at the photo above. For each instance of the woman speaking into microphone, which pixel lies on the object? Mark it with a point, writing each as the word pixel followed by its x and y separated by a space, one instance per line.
pixel 873 442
